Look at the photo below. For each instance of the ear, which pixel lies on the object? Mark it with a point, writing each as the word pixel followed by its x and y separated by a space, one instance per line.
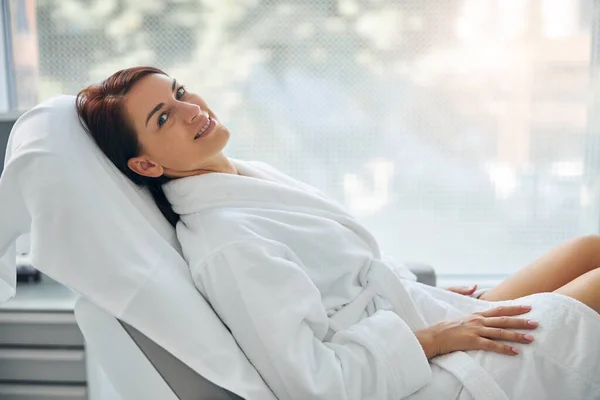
pixel 145 167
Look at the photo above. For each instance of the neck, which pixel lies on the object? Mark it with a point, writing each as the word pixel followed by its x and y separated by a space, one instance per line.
pixel 225 166
pixel 220 163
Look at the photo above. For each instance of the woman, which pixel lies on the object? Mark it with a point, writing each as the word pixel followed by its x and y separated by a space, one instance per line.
pixel 302 286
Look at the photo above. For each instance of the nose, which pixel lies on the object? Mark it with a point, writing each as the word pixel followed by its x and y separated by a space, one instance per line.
pixel 190 112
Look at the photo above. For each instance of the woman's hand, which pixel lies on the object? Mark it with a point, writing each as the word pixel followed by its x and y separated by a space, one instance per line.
pixel 466 290
pixel 478 331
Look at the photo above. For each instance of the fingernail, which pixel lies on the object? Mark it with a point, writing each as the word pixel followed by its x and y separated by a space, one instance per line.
pixel 526 307
pixel 532 323
pixel 515 350
pixel 528 337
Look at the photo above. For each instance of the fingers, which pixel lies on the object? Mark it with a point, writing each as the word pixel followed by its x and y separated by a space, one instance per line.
pixel 466 290
pixel 504 311
pixel 496 347
pixel 509 323
pixel 506 335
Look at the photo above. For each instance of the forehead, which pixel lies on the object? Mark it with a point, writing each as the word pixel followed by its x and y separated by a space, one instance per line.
pixel 146 94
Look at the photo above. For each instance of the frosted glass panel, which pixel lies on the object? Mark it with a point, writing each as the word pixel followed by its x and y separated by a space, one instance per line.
pixel 464 133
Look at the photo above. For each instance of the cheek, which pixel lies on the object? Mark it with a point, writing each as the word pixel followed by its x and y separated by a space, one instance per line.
pixel 164 150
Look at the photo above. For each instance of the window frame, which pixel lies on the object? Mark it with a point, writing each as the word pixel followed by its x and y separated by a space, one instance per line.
pixel 8 112
pixel 7 79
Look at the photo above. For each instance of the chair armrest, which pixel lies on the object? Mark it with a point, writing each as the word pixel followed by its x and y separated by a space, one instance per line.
pixel 425 273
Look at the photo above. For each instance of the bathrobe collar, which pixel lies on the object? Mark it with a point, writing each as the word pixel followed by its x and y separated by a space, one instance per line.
pixel 255 185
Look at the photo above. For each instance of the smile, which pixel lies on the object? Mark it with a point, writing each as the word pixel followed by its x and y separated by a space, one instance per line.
pixel 206 129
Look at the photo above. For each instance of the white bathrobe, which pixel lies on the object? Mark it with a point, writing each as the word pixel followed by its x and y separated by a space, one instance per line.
pixel 304 290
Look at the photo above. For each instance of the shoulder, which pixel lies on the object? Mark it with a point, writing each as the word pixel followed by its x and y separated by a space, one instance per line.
pixel 261 165
pixel 281 177
pixel 220 224
pixel 205 233
pixel 214 225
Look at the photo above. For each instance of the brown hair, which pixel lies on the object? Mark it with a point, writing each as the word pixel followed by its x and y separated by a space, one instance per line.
pixel 102 113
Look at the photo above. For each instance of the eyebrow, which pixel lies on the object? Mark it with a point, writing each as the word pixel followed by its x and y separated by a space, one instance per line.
pixel 160 105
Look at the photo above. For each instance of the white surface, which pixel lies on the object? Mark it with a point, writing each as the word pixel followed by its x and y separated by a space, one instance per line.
pixel 99 234
pixel 99 387
pixel 131 373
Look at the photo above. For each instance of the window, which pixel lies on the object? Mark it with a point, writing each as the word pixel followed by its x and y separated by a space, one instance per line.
pixel 463 133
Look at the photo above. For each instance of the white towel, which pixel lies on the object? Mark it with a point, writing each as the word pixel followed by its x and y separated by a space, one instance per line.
pixel 97 233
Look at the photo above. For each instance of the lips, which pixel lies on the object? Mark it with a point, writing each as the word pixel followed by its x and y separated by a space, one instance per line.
pixel 205 129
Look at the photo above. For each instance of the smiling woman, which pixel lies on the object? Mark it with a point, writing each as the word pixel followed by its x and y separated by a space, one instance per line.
pixel 159 131
pixel 303 287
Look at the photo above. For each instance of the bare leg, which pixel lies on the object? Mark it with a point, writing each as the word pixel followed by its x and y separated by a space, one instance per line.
pixel 585 288
pixel 552 271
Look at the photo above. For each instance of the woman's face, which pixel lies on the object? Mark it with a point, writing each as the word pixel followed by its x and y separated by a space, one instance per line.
pixel 178 133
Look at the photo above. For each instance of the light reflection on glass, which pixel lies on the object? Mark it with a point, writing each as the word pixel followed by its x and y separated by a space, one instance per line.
pixel 455 130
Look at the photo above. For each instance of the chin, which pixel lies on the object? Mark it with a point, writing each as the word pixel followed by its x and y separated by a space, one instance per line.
pixel 220 138
pixel 223 133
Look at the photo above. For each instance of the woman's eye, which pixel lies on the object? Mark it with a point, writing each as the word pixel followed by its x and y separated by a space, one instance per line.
pixel 162 119
pixel 180 93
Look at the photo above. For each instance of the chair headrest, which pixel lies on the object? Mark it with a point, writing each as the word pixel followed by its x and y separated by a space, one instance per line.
pixel 58 183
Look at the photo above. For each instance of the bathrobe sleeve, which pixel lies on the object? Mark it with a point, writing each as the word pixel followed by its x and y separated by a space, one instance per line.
pixel 276 315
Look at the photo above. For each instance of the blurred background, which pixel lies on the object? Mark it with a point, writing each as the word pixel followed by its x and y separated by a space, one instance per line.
pixel 463 133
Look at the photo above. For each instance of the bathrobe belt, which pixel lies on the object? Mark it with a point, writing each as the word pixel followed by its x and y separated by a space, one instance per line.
pixel 382 281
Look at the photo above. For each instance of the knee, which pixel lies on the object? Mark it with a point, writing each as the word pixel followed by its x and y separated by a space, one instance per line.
pixel 589 245
pixel 592 241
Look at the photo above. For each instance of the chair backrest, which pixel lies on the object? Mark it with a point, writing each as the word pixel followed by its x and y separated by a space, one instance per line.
pixel 97 233
pixel 137 367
